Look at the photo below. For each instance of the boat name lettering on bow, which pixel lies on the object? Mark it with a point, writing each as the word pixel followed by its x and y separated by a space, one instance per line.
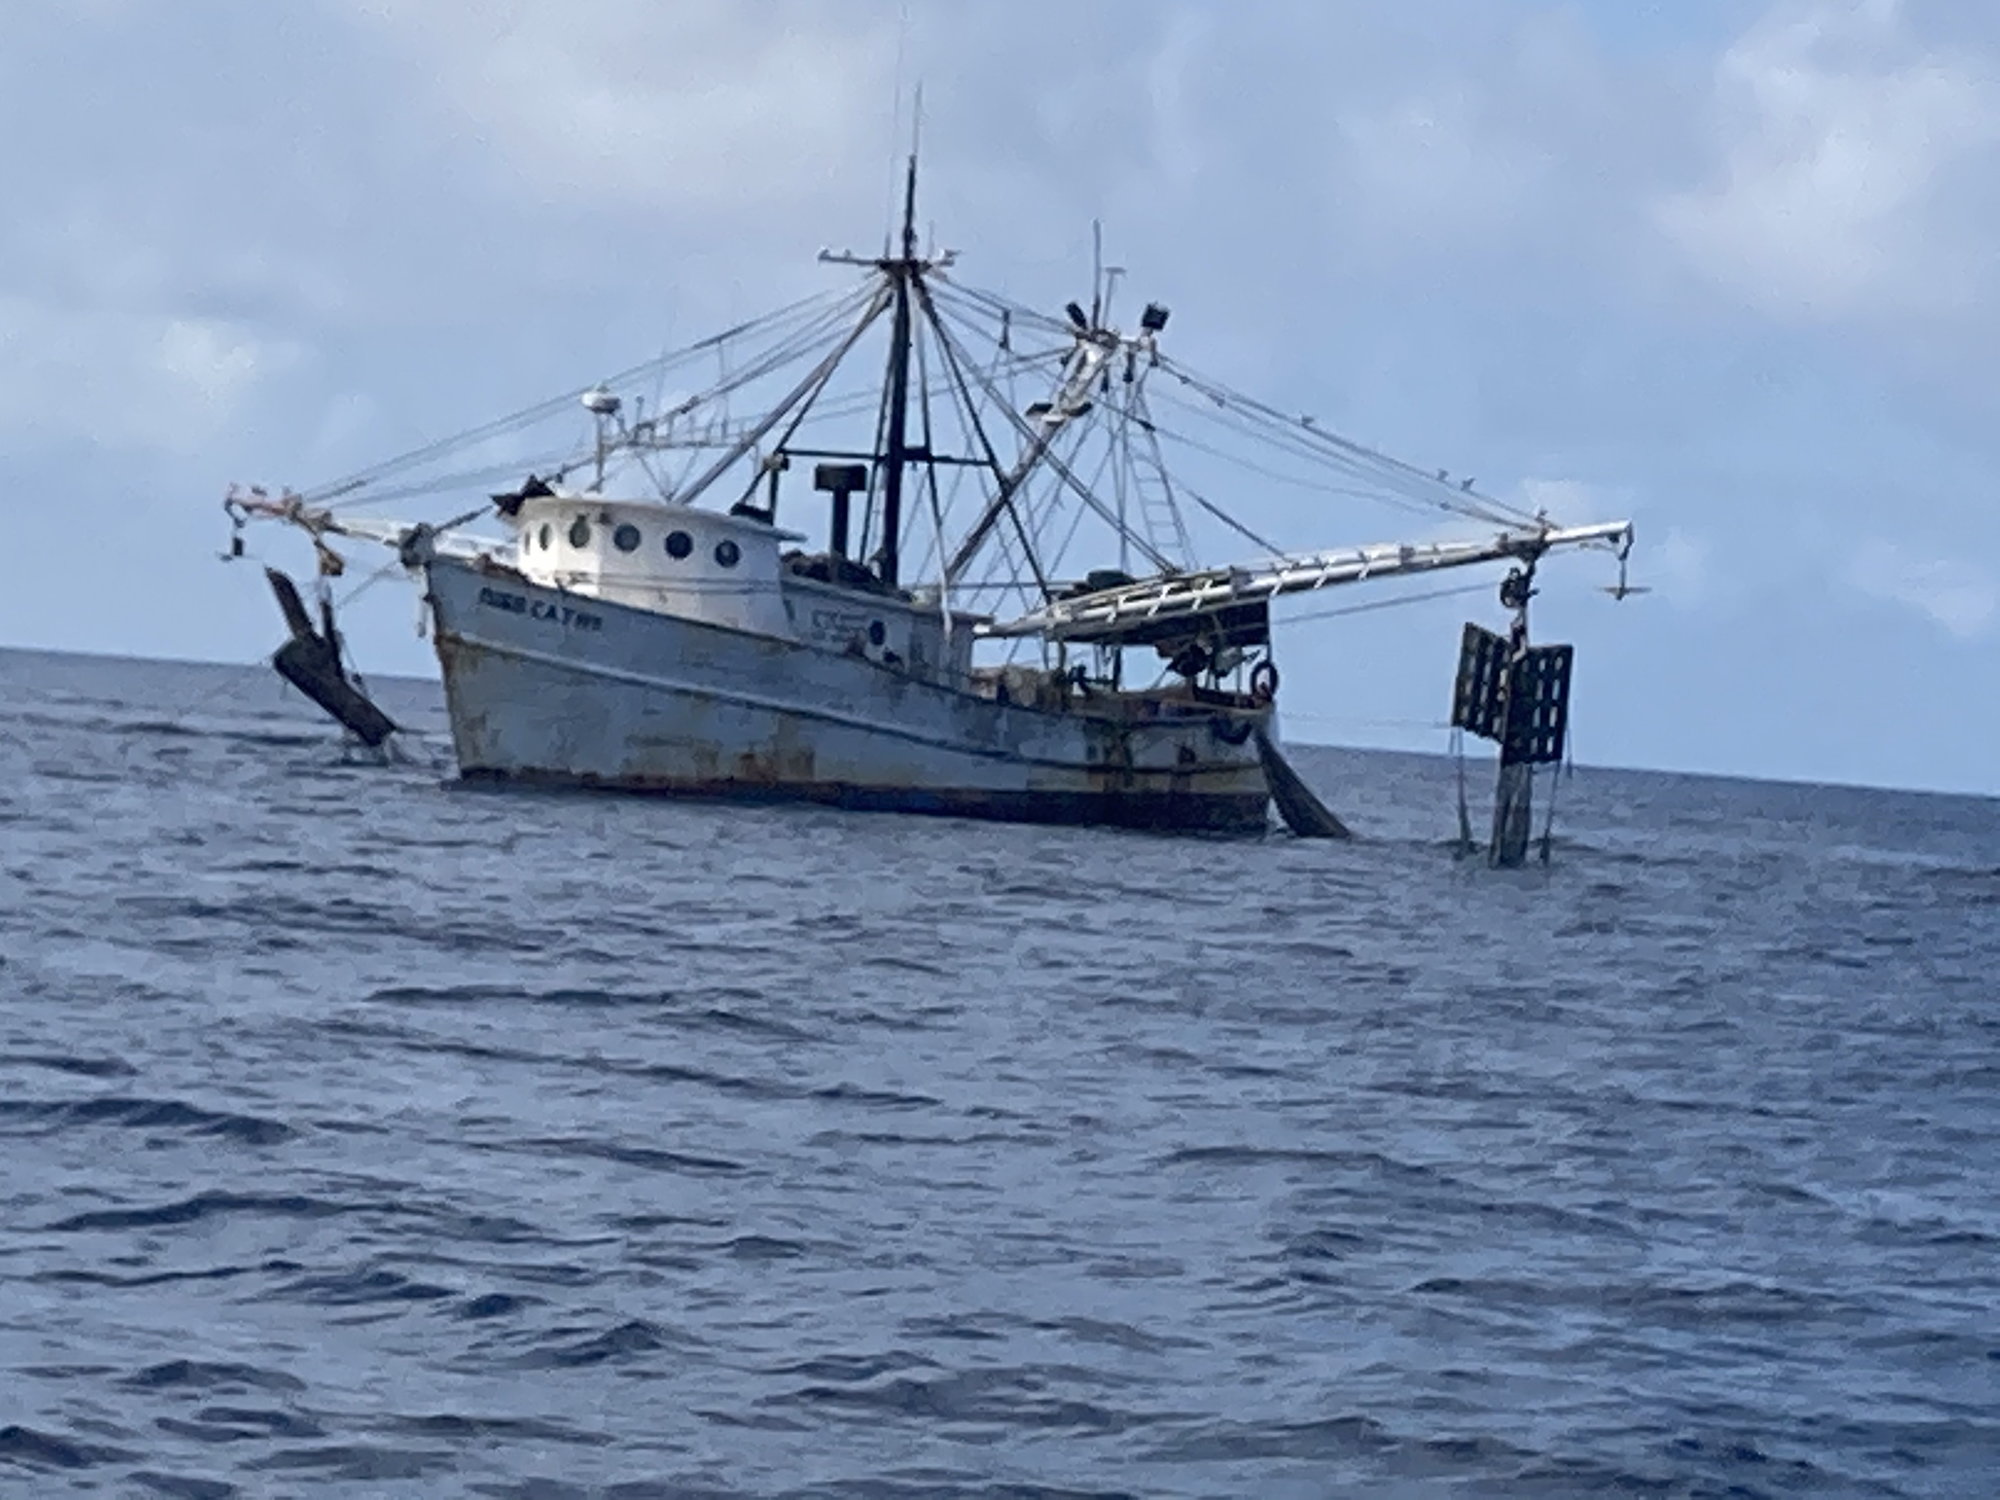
pixel 539 609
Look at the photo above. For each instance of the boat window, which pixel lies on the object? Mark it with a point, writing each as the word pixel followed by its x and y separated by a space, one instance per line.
pixel 876 634
pixel 579 532
pixel 679 544
pixel 548 536
pixel 626 538
pixel 727 552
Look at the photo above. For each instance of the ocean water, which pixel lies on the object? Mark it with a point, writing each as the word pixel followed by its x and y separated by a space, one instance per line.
pixel 364 1135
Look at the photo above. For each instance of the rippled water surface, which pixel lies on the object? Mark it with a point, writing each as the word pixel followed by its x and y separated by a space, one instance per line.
pixel 363 1135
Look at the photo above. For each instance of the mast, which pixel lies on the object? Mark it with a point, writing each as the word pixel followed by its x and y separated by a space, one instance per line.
pixel 896 449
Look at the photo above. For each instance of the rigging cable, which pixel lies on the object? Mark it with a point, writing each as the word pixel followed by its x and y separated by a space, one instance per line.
pixel 1389 489
pixel 1044 455
pixel 1391 479
pixel 1400 599
pixel 963 402
pixel 331 493
pixel 1409 473
pixel 1279 441
pixel 805 391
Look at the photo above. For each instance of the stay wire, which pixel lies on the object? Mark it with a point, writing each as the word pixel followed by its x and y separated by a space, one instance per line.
pixel 1407 472
pixel 821 306
pixel 1394 603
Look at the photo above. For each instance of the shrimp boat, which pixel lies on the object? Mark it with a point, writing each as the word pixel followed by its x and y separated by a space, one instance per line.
pixel 647 619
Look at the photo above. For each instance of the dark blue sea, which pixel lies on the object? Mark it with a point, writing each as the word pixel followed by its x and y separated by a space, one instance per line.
pixel 364 1135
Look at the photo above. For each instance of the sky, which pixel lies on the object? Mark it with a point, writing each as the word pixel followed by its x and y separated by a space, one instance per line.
pixel 1724 267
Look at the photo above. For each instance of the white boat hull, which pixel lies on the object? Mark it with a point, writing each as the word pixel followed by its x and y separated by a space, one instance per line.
pixel 551 687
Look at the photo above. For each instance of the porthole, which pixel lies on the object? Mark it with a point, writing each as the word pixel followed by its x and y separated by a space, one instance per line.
pixel 876 634
pixel 626 538
pixel 579 532
pixel 679 544
pixel 727 553
pixel 547 536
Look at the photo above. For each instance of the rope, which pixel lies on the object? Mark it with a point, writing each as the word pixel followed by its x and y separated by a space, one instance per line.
pixel 1565 771
pixel 1336 466
pixel 1423 485
pixel 1397 602
pixel 825 310
pixel 1293 716
pixel 1549 820
pixel 1465 844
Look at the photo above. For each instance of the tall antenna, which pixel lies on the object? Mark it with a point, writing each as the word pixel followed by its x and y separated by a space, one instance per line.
pixel 910 182
pixel 1096 273
pixel 896 124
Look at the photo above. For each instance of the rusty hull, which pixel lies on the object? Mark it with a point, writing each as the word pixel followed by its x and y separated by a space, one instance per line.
pixel 550 688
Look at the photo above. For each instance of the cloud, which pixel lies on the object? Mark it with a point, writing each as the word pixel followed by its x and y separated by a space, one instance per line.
pixel 1429 162
pixel 1958 595
pixel 1571 502
pixel 1679 565
pixel 686 108
pixel 141 379
pixel 1840 138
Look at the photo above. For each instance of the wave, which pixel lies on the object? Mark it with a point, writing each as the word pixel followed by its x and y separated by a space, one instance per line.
pixel 148 1114
pixel 204 1206
pixel 28 1447
pixel 621 1343
pixel 207 1375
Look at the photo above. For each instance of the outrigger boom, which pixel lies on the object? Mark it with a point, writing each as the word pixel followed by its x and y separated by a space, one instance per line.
pixel 1101 613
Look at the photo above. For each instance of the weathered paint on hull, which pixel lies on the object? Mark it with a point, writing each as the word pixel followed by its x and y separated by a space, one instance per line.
pixel 1173 811
pixel 550 688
